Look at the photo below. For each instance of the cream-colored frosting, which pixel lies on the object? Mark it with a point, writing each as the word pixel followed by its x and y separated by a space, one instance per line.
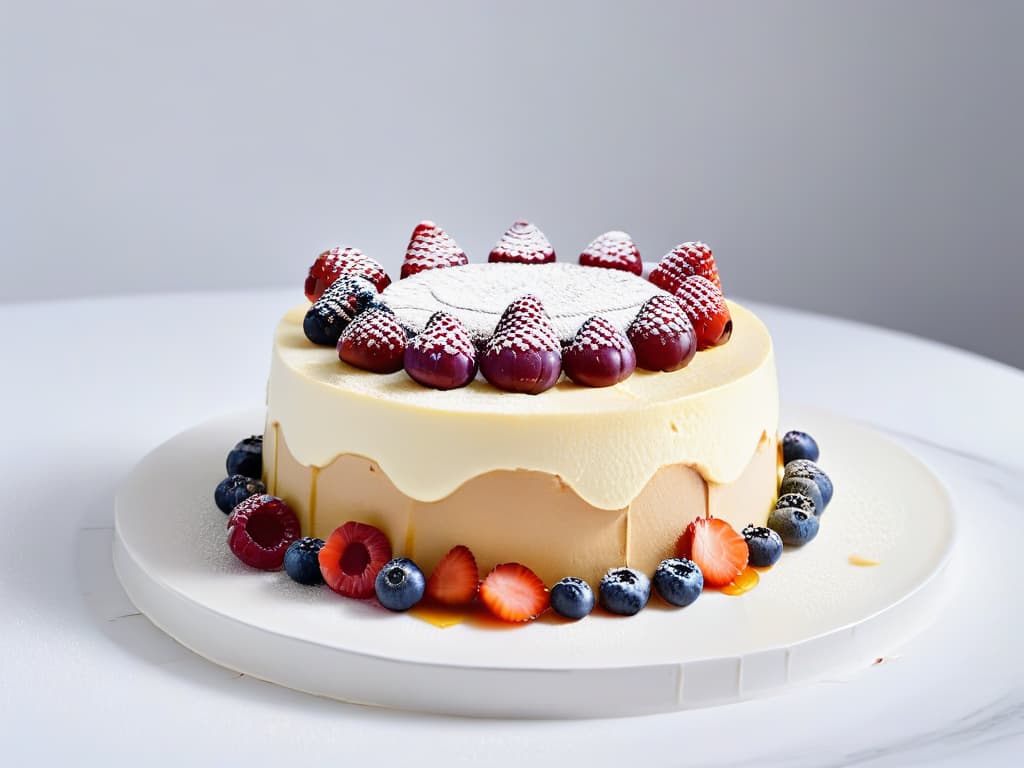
pixel 606 444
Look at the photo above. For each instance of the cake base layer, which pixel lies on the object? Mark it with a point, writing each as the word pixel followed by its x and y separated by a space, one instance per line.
pixel 523 516
pixel 813 616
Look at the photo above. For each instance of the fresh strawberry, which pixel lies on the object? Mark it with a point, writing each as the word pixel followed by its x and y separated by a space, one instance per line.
pixel 352 557
pixel 430 247
pixel 681 262
pixel 260 530
pixel 455 579
pixel 705 306
pixel 613 250
pixel 374 341
pixel 513 592
pixel 524 354
pixel 719 551
pixel 523 243
pixel 332 264
pixel 599 355
pixel 662 335
pixel 442 356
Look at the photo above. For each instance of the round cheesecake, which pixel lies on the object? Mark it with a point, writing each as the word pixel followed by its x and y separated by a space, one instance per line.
pixel 570 482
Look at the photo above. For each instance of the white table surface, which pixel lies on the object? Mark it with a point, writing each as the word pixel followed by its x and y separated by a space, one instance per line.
pixel 88 387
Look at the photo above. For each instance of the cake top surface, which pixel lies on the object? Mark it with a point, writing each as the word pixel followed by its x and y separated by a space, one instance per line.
pixel 478 293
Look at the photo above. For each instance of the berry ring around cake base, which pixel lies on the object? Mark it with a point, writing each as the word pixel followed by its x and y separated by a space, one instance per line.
pixel 872 578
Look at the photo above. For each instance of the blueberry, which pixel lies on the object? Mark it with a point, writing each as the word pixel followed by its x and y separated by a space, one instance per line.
pixel 246 458
pixel 810 470
pixel 764 544
pixel 798 445
pixel 624 591
pixel 335 309
pixel 302 560
pixel 794 526
pixel 365 303
pixel 572 598
pixel 399 584
pixel 799 501
pixel 803 486
pixel 679 581
pixel 232 491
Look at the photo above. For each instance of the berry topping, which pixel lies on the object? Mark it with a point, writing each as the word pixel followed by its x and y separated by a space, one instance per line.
pixel 523 243
pixel 716 548
pixel 233 490
pixel 352 557
pixel 524 354
pixel 333 311
pixel 794 526
pixel 765 545
pixel 337 262
pixel 799 445
pixel 797 501
pixel 599 355
pixel 302 561
pixel 624 591
pixel 662 335
pixel 613 250
pixel 442 356
pixel 455 579
pixel 705 306
pixel 246 458
pixel 805 487
pixel 810 470
pixel 260 530
pixel 374 341
pixel 679 581
pixel 682 262
pixel 430 247
pixel 399 584
pixel 572 598
pixel 513 592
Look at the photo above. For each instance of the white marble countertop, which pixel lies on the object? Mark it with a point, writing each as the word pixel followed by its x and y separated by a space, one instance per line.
pixel 90 386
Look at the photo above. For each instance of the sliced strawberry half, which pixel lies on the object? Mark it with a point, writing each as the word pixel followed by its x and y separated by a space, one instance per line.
pixel 430 247
pixel 374 341
pixel 599 355
pixel 524 354
pixel 613 250
pixel 455 579
pixel 352 558
pixel 662 335
pixel 705 306
pixel 683 261
pixel 716 547
pixel 513 592
pixel 260 530
pixel 442 356
pixel 344 260
pixel 523 243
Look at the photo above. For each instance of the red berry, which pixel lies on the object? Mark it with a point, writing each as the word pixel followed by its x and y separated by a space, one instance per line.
pixel 430 247
pixel 662 335
pixel 523 243
pixel 374 341
pixel 513 592
pixel 719 551
pixel 442 356
pixel 332 264
pixel 705 306
pixel 681 262
pixel 260 529
pixel 524 354
pixel 455 579
pixel 613 250
pixel 599 355
pixel 352 558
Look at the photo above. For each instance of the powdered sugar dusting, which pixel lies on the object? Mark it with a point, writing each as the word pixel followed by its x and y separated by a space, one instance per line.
pixel 431 248
pixel 346 260
pixel 700 298
pixel 524 327
pixel 597 333
pixel 340 299
pixel 444 333
pixel 613 250
pixel 373 330
pixel 523 243
pixel 660 316
pixel 684 261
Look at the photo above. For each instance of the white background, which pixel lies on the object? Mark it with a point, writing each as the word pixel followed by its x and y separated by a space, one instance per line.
pixel 861 159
